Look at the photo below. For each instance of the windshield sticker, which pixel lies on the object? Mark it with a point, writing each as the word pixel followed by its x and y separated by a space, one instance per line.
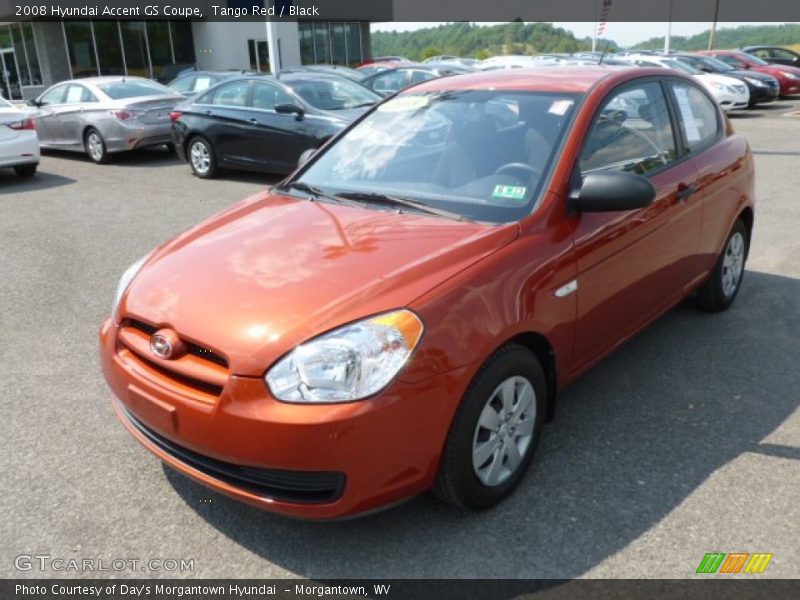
pixel 560 107
pixel 510 192
pixel 404 103
pixel 690 124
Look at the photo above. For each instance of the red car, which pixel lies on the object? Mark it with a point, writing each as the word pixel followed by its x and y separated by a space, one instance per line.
pixel 400 313
pixel 787 76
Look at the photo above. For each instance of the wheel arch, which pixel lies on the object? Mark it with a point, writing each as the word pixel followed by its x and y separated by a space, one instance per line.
pixel 541 347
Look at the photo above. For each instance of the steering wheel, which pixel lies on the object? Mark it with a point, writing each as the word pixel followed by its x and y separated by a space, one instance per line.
pixel 643 137
pixel 518 167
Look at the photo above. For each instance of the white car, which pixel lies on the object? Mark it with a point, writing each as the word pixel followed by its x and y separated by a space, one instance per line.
pixel 729 92
pixel 19 144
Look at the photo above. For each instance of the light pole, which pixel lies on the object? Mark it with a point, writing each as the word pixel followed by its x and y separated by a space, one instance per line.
pixel 713 26
pixel 669 29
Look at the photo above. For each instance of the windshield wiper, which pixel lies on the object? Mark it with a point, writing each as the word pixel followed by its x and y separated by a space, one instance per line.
pixel 376 198
pixel 316 193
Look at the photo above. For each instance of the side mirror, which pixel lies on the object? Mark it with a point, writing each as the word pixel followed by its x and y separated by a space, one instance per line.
pixel 288 109
pixel 305 156
pixel 34 103
pixel 608 191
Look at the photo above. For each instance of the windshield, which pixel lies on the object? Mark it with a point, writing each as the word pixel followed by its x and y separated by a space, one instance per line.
pixel 333 94
pixel 480 153
pixel 5 103
pixel 716 64
pixel 681 66
pixel 753 59
pixel 118 90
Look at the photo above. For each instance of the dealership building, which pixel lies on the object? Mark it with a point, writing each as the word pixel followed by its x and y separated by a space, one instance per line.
pixel 36 54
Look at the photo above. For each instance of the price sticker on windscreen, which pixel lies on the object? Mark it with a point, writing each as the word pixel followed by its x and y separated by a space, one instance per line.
pixel 560 107
pixel 509 192
pixel 404 104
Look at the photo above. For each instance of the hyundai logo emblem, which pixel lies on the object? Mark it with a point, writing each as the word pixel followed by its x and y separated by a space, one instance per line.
pixel 160 346
pixel 166 344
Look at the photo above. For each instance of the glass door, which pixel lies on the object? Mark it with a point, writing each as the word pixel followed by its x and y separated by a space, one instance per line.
pixel 10 76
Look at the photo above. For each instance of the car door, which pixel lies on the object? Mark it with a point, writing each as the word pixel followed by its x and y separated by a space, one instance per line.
pixel 46 125
pixel 277 139
pixel 717 158
pixel 631 265
pixel 226 122
pixel 782 56
pixel 78 102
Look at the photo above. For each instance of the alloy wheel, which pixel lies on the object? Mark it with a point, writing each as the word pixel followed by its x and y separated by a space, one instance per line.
pixel 504 431
pixel 200 157
pixel 733 264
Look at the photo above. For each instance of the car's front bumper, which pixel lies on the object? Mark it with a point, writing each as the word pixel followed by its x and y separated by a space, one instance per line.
pixel 381 450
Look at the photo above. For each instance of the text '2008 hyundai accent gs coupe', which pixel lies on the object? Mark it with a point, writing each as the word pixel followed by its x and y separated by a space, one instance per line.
pixel 399 314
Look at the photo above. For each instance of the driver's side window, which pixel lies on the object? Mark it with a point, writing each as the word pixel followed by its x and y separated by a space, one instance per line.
pixel 632 132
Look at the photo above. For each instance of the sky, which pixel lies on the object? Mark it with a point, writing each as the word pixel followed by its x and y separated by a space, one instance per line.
pixel 625 34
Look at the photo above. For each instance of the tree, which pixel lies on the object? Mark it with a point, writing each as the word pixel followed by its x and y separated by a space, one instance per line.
pixel 429 52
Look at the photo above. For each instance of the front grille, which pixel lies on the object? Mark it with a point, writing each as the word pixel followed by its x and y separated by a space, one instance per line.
pixel 200 374
pixel 306 487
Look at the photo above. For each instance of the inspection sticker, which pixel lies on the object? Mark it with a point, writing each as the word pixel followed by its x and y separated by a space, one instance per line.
pixel 560 107
pixel 512 192
pixel 404 103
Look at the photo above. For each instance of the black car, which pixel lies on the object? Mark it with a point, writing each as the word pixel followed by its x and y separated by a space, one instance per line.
pixel 393 80
pixel 762 87
pixel 260 123
pixel 192 83
pixel 775 55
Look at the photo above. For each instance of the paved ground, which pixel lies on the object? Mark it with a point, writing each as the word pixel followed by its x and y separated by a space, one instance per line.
pixel 686 441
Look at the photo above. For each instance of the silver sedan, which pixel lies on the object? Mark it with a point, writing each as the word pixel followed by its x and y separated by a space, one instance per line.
pixel 104 115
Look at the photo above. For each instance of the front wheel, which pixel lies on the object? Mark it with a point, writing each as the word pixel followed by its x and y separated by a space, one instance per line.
pixel 96 147
pixel 719 292
pixel 495 431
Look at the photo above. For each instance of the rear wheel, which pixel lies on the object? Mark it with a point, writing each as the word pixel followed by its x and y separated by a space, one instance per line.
pixel 96 146
pixel 719 292
pixel 495 431
pixel 25 170
pixel 201 158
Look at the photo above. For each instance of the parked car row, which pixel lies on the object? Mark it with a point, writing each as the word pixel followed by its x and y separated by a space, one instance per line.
pixel 240 119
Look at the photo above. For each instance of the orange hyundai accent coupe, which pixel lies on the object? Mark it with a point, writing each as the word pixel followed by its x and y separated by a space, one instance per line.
pixel 399 314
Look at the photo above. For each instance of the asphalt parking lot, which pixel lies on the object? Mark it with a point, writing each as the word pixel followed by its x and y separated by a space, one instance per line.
pixel 685 441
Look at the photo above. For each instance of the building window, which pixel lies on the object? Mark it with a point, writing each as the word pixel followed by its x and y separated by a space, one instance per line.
pixel 80 48
pixel 31 55
pixel 107 38
pixel 158 37
pixel 134 41
pixel 354 54
pixel 182 42
pixel 322 47
pixel 338 44
pixel 259 55
pixel 306 31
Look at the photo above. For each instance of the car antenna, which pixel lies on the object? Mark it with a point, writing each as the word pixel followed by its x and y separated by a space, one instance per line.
pixel 603 55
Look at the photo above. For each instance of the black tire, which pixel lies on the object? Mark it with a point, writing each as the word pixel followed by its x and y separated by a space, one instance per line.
pixel 202 168
pixel 25 170
pixel 458 482
pixel 95 147
pixel 716 294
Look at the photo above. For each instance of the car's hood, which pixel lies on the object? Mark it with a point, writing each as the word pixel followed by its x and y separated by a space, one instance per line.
pixel 749 73
pixel 720 79
pixel 274 271
pixel 347 115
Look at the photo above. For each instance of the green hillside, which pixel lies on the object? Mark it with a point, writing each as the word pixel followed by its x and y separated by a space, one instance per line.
pixel 745 35
pixel 479 41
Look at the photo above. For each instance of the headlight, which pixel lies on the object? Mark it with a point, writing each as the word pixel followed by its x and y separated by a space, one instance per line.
pixel 126 279
pixel 349 363
pixel 791 75
pixel 756 82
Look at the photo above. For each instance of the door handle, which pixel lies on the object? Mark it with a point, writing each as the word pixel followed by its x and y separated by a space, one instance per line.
pixel 253 121
pixel 684 191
